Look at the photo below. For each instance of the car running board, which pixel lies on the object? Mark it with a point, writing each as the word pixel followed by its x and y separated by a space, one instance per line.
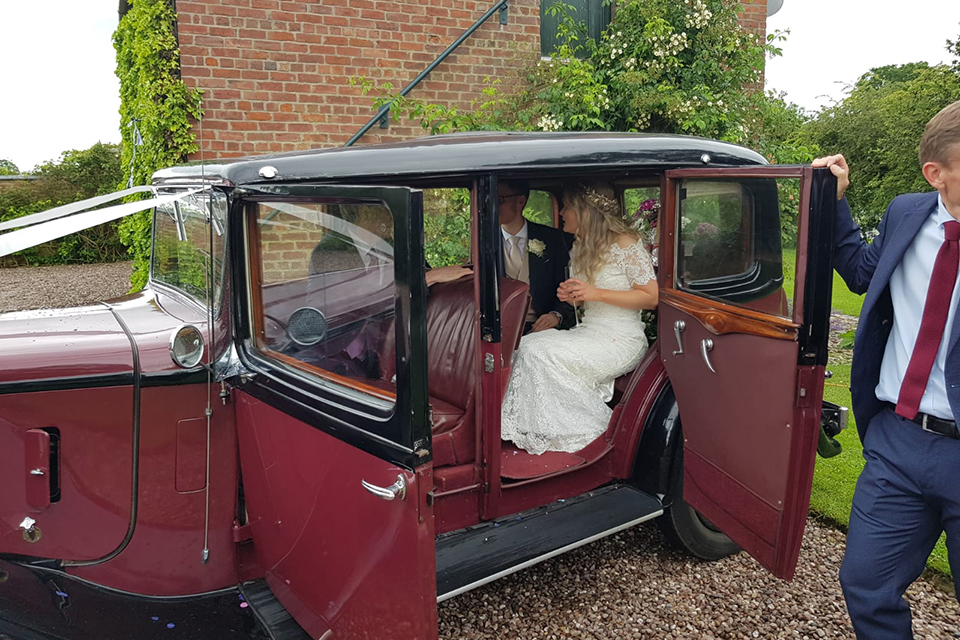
pixel 272 616
pixel 38 603
pixel 472 557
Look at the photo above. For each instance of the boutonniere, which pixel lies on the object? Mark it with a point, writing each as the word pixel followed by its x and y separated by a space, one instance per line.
pixel 536 247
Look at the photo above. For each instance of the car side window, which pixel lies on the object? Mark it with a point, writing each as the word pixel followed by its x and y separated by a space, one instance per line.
pixel 182 245
pixel 446 226
pixel 730 243
pixel 542 208
pixel 326 291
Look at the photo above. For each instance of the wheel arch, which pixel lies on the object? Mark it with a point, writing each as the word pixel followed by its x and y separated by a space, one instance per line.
pixel 654 465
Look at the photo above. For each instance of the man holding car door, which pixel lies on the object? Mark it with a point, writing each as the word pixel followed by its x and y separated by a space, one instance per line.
pixel 905 385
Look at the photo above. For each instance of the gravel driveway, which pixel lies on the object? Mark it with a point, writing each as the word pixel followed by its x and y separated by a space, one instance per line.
pixel 62 286
pixel 626 586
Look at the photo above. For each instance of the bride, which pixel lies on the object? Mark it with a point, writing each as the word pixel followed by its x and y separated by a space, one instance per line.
pixel 561 380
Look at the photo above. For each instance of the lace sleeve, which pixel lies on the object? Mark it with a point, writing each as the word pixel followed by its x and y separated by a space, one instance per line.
pixel 637 264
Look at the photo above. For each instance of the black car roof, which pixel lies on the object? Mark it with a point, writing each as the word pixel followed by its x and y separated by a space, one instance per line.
pixel 474 152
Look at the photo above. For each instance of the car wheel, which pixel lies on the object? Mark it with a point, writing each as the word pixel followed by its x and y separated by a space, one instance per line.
pixel 686 529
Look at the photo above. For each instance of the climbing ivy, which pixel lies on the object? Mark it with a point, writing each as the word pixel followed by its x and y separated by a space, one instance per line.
pixel 156 108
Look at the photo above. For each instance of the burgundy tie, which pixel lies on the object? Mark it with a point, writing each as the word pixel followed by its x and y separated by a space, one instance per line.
pixel 935 311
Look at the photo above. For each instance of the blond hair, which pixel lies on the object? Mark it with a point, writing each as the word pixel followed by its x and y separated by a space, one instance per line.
pixel 601 222
pixel 941 136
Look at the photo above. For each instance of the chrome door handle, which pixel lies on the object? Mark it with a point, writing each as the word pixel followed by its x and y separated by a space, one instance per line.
pixel 705 346
pixel 397 490
pixel 678 328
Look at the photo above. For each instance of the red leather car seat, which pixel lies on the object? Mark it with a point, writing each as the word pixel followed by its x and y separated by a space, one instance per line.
pixel 452 332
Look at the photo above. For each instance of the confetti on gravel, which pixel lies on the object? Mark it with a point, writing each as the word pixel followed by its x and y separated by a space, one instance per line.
pixel 628 586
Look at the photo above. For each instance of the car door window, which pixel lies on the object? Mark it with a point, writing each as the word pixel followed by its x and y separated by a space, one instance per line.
pixel 731 242
pixel 327 291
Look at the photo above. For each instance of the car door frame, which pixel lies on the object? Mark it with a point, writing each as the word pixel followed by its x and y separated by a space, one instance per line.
pixel 341 415
pixel 808 326
pixel 412 394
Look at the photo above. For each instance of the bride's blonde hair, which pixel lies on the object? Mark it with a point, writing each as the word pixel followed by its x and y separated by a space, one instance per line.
pixel 601 221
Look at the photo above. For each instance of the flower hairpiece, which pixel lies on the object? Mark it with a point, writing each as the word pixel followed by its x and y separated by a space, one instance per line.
pixel 599 200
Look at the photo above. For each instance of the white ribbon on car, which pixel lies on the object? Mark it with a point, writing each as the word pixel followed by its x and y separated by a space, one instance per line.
pixel 67 209
pixel 45 227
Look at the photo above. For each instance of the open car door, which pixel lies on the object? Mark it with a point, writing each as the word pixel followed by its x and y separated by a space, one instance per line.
pixel 743 332
pixel 332 407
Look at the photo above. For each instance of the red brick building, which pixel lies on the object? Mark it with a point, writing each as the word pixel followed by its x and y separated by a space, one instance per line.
pixel 276 73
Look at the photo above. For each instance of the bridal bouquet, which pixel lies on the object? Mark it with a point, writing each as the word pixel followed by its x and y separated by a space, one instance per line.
pixel 645 221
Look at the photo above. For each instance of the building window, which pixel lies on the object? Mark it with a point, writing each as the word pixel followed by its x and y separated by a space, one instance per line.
pixel 595 13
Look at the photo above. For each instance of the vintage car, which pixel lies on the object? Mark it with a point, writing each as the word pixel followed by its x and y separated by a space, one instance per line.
pixel 287 435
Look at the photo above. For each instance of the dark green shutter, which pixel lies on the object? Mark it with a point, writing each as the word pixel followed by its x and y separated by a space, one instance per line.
pixel 593 12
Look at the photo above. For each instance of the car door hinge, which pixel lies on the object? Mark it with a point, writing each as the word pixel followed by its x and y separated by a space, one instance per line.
pixel 425 490
pixel 242 532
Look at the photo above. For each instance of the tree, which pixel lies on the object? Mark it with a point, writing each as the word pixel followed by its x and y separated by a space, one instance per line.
pixel 878 127
pixel 953 47
pixel 91 172
pixel 7 168
pixel 75 175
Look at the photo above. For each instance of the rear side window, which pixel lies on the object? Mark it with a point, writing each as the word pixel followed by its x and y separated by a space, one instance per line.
pixel 182 245
pixel 541 208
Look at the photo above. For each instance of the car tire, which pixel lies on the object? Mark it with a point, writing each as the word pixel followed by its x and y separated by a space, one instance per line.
pixel 686 529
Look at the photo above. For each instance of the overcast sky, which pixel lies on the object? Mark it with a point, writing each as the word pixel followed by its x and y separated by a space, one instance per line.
pixel 59 89
pixel 60 92
pixel 834 42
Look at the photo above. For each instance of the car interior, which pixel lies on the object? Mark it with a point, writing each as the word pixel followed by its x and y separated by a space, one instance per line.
pixel 327 296
pixel 328 299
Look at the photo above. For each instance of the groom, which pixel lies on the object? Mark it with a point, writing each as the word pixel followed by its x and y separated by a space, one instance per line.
pixel 535 254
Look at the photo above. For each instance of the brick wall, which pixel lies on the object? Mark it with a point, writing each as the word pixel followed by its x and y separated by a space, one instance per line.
pixel 754 16
pixel 276 73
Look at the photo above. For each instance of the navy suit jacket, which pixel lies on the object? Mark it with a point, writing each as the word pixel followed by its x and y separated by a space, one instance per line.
pixel 868 268
pixel 547 272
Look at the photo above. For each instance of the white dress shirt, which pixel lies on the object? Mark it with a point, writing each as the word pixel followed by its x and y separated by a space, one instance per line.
pixel 521 237
pixel 524 274
pixel 908 288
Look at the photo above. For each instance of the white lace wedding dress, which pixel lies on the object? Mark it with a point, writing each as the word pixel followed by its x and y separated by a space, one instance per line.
pixel 561 380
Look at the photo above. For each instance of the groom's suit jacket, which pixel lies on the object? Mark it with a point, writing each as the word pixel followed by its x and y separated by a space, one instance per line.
pixel 548 271
pixel 868 268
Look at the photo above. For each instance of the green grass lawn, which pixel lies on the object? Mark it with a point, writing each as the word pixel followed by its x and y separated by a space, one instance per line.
pixel 835 479
pixel 844 300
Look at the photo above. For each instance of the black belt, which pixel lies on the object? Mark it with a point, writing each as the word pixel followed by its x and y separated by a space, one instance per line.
pixel 933 424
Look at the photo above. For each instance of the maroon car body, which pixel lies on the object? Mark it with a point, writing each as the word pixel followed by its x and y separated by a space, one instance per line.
pixel 334 459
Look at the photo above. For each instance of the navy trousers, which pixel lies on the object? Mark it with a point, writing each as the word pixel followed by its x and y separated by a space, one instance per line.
pixel 908 493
